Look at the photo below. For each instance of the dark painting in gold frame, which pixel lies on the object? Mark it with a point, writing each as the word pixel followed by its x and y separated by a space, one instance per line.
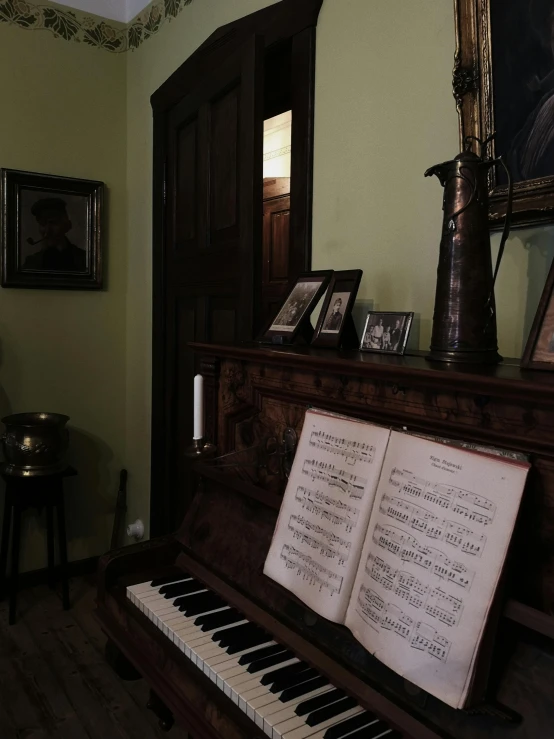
pixel 503 82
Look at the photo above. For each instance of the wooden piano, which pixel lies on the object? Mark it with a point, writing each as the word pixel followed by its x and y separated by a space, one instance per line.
pixel 220 644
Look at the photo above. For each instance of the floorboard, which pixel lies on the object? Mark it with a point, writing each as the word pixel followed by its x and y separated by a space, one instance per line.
pixel 54 680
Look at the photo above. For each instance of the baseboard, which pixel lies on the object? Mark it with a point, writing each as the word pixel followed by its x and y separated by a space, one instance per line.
pixel 79 568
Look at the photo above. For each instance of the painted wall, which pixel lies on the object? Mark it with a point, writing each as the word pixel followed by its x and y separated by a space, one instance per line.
pixel 384 114
pixel 63 112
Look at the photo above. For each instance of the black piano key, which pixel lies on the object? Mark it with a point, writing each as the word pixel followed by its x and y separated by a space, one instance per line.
pixel 351 724
pixel 228 636
pixel 216 620
pixel 193 599
pixel 261 653
pixel 300 677
pixel 207 603
pixel 274 659
pixel 370 732
pixel 159 581
pixel 312 704
pixel 270 677
pixel 335 709
pixel 247 642
pixel 298 691
pixel 181 588
pixel 185 599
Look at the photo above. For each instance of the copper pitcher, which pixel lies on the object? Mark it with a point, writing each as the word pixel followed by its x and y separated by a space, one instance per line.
pixel 464 319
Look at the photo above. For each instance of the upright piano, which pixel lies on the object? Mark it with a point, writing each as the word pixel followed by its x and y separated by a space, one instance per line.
pixel 232 655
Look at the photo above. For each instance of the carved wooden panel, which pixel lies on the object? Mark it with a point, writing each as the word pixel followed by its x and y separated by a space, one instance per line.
pixel 258 399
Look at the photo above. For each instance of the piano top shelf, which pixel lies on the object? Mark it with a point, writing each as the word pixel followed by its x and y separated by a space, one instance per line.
pixel 506 379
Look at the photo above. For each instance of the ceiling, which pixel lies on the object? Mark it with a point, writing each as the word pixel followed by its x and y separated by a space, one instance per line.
pixel 117 10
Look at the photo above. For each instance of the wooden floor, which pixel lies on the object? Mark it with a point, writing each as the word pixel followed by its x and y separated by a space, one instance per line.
pixel 54 681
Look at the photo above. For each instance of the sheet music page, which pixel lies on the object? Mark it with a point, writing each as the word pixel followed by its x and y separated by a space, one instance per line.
pixel 326 507
pixel 436 542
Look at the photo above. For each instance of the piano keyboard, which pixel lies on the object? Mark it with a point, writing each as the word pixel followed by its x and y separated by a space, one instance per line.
pixel 283 695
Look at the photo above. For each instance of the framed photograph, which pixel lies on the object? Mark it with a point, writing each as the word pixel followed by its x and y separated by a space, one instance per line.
pixel 504 82
pixel 293 316
pixel 386 333
pixel 51 235
pixel 336 313
pixel 539 351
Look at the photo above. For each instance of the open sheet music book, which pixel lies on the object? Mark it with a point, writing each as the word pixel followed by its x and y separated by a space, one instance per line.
pixel 401 539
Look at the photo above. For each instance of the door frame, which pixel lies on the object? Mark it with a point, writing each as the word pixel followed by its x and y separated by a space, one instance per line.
pixel 289 19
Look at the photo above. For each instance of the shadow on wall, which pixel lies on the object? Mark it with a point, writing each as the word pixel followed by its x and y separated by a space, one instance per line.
pixel 89 497
pixel 540 247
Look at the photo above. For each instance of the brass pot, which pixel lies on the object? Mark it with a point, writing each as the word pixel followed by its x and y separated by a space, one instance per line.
pixel 34 444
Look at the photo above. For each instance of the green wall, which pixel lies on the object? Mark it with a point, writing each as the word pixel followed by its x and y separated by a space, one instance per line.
pixel 384 113
pixel 64 112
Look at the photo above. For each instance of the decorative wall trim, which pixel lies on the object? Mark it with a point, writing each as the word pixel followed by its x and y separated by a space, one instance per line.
pixel 92 30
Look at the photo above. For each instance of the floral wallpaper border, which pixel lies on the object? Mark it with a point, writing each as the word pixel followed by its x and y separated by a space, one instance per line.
pixel 91 30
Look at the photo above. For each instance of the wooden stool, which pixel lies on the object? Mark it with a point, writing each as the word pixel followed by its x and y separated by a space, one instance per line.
pixel 21 493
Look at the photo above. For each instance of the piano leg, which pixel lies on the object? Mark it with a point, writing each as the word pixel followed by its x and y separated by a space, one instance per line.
pixel 163 713
pixel 119 663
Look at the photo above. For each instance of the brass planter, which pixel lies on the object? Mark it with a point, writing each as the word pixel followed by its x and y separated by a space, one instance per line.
pixel 34 444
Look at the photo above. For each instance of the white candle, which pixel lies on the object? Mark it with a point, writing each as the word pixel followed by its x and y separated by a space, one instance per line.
pixel 198 407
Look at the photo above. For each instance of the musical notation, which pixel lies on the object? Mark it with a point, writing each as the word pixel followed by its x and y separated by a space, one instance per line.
pixel 350 484
pixel 435 602
pixel 432 526
pixel 401 583
pixel 421 636
pixel 328 508
pixel 372 608
pixel 408 549
pixel 327 542
pixel 469 505
pixel 426 639
pixel 311 571
pixel 352 451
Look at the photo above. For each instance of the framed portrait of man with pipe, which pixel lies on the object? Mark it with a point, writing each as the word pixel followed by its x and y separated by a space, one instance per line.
pixel 51 231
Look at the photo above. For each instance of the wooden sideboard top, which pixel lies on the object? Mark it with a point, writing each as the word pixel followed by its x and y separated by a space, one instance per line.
pixel 506 379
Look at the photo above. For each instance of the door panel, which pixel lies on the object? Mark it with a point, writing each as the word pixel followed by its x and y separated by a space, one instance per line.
pixel 224 166
pixel 276 270
pixel 213 218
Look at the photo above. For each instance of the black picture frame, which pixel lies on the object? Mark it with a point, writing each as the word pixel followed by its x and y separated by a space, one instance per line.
pixel 42 208
pixel 373 317
pixel 539 350
pixel 293 317
pixel 332 331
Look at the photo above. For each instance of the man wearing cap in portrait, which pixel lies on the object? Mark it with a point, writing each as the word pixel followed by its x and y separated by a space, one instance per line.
pixel 56 252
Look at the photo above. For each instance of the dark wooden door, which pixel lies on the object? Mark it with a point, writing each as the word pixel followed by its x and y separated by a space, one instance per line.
pixel 208 209
pixel 213 202
pixel 276 267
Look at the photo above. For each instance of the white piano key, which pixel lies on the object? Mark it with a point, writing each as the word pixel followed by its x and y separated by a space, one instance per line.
pixel 143 588
pixel 305 731
pixel 277 718
pixel 266 700
pixel 253 681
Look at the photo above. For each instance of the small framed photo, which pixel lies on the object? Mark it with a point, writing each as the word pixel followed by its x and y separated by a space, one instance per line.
pixel 386 333
pixel 539 351
pixel 51 235
pixel 294 314
pixel 336 313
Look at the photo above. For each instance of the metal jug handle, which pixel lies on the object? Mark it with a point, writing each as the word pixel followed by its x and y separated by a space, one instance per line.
pixel 505 231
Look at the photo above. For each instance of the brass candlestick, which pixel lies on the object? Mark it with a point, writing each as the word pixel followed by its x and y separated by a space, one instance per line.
pixel 200 449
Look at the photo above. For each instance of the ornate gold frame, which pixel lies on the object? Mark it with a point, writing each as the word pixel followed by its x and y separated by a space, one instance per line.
pixel 473 87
